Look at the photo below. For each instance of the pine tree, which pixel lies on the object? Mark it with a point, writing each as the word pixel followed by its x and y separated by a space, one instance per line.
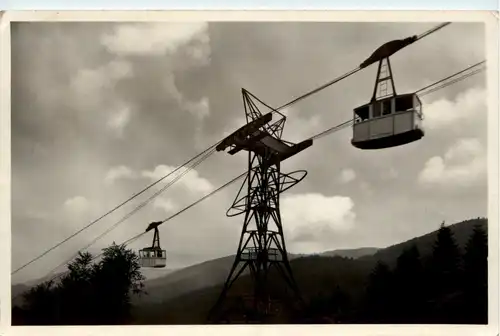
pixel 446 259
pixel 476 277
pixel 444 277
pixel 379 294
pixel 408 287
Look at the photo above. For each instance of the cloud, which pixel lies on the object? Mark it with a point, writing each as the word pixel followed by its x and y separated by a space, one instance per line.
pixel 119 172
pixel 77 204
pixel 94 90
pixel 199 109
pixel 297 127
pixel 165 204
pixel 192 181
pixel 347 175
pixel 310 218
pixel 119 119
pixel 463 164
pixel 467 106
pixel 90 82
pixel 157 39
pixel 392 173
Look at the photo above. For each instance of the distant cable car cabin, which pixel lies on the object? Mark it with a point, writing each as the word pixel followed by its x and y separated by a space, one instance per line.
pixel 154 256
pixel 389 119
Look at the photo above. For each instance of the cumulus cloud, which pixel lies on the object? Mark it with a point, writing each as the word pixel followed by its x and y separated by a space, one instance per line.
pixel 298 127
pixel 90 82
pixel 165 204
pixel 192 180
pixel 347 175
pixel 119 172
pixel 467 105
pixel 119 119
pixel 157 39
pixel 94 90
pixel 199 109
pixel 77 204
pixel 310 218
pixel 463 164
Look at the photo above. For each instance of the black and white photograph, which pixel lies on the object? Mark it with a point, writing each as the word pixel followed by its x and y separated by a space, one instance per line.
pixel 192 172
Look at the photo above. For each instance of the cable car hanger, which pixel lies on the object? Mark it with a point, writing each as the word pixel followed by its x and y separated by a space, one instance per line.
pixel 154 256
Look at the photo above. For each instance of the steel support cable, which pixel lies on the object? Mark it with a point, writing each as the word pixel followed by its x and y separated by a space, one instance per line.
pixel 111 211
pixel 451 76
pixel 139 207
pixel 455 80
pixel 330 130
pixel 432 30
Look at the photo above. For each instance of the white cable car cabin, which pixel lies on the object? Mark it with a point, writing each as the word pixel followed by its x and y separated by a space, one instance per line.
pixel 154 256
pixel 388 120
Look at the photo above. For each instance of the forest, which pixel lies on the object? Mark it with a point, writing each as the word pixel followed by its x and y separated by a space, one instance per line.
pixel 445 284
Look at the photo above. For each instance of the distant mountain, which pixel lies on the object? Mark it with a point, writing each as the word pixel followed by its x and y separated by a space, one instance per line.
pixel 188 279
pixel 351 253
pixel 213 272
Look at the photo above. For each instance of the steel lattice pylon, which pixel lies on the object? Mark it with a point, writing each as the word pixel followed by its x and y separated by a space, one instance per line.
pixel 262 244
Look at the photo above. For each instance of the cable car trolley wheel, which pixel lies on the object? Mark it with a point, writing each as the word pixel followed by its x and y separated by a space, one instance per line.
pixel 153 256
pixel 389 119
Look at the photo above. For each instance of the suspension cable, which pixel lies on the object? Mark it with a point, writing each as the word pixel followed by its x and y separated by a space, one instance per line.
pixel 449 77
pixel 432 30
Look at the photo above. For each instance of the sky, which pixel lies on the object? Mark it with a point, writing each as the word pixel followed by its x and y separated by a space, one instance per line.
pixel 101 110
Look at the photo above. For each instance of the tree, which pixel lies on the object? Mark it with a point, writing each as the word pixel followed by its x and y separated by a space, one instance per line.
pixel 379 294
pixel 445 262
pixel 90 293
pixel 408 286
pixel 117 276
pixel 476 277
pixel 443 278
pixel 41 305
pixel 75 291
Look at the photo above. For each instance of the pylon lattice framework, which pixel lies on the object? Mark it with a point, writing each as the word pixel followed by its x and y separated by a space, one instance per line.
pixel 262 244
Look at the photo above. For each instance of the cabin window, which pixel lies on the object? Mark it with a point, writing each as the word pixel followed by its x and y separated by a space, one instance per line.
pixel 404 103
pixel 386 107
pixel 362 112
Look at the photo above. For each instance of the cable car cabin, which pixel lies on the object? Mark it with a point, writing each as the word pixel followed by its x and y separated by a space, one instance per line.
pixel 153 257
pixel 388 122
